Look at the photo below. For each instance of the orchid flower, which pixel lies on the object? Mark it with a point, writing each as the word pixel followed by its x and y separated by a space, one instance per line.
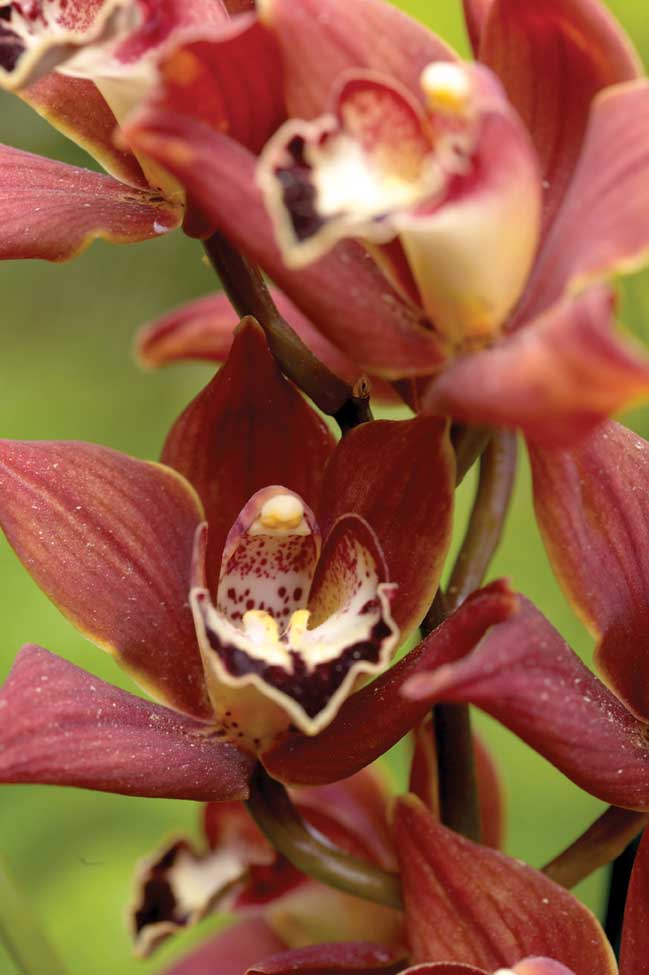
pixel 282 628
pixel 422 157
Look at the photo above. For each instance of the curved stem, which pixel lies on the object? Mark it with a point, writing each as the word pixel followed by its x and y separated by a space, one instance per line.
pixel 21 933
pixel 279 820
pixel 602 842
pixel 246 289
pixel 468 443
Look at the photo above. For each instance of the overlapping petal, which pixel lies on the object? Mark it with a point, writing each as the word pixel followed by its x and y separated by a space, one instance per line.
pixel 591 505
pixel 109 539
pixel 60 725
pixel 400 477
pixel 526 676
pixel 247 429
pixel 555 379
pixel 376 717
pixel 467 903
pixel 345 958
pixel 230 952
pixel 635 932
pixel 53 211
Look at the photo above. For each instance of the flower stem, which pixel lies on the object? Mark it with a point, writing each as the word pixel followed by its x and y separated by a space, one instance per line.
pixel 279 820
pixel 602 842
pixel 246 289
pixel 459 800
pixel 21 933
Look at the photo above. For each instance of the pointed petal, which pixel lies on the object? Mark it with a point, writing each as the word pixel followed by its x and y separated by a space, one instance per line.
pixel 475 16
pixel 591 507
pixel 400 477
pixel 525 676
pixel 60 725
pixel 53 211
pixel 204 329
pixel 230 952
pixel 467 903
pixel 344 294
pixel 109 539
pixel 76 108
pixel 377 716
pixel 247 429
pixel 556 379
pixel 635 932
pixel 346 958
pixel 553 59
pixel 366 34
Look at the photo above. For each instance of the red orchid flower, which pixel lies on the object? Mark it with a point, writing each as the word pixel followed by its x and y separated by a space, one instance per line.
pixel 542 307
pixel 83 65
pixel 112 541
pixel 469 911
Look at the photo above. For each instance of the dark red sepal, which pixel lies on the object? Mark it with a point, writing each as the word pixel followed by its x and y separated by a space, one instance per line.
pixel 346 958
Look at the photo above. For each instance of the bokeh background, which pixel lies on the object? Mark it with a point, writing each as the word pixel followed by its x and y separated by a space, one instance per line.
pixel 68 372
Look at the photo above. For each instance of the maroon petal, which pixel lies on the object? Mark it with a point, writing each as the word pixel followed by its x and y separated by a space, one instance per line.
pixel 467 903
pixel 249 428
pixel 602 228
pixel 344 294
pixel 400 477
pixel 555 379
pixel 553 58
pixel 76 107
pixel 525 676
pixel 363 34
pixel 53 211
pixel 635 933
pixel 109 539
pixel 60 725
pixel 376 717
pixel 475 16
pixel 231 952
pixel 591 505
pixel 345 957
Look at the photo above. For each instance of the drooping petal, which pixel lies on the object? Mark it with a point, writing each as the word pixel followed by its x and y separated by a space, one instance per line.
pixel 76 107
pixel 366 34
pixel 635 931
pixel 602 228
pixel 109 539
pixel 53 211
pixel 377 716
pixel 525 676
pixel 230 952
pixel 344 294
pixel 38 36
pixel 553 58
pixel 400 477
pixel 266 672
pixel 346 958
pixel 60 725
pixel 591 505
pixel 204 329
pixel 555 380
pixel 249 428
pixel 467 903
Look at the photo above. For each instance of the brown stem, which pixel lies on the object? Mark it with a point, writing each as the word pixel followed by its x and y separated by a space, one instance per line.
pixel 468 443
pixel 279 820
pixel 459 800
pixel 602 842
pixel 246 289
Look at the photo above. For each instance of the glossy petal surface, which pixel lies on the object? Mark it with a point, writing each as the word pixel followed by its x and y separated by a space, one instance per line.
pixel 591 505
pixel 344 294
pixel 525 676
pixel 377 716
pixel 553 58
pixel 53 211
pixel 467 903
pixel 60 725
pixel 231 952
pixel 400 477
pixel 555 380
pixel 109 539
pixel 247 429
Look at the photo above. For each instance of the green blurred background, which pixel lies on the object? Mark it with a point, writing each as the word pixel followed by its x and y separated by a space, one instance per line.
pixel 68 373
